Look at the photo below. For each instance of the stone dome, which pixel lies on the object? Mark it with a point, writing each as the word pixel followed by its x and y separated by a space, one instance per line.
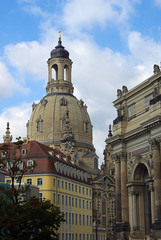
pixel 48 120
pixel 60 119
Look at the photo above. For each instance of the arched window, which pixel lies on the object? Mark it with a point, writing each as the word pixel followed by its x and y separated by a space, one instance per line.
pixel 66 73
pixel 30 163
pixel 39 124
pixel 52 90
pixel 54 72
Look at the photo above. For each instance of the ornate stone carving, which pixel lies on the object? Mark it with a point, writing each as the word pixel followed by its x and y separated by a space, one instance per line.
pixel 43 102
pixel 155 144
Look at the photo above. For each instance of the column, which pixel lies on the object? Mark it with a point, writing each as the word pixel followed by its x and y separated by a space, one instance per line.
pixel 118 188
pixel 134 210
pixel 151 188
pixel 124 190
pixel 157 177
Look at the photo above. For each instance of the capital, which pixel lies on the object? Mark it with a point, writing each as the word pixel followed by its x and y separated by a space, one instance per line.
pixel 155 144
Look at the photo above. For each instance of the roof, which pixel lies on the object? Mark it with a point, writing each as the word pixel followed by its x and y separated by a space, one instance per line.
pixel 45 158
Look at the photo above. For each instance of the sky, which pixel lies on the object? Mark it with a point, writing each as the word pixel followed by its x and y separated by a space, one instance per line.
pixel 111 43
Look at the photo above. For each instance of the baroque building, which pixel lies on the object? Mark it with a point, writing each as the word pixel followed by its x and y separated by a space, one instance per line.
pixel 133 151
pixel 61 120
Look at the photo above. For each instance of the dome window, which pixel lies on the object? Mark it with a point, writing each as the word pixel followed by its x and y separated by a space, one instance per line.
pixel 23 151
pixel 52 90
pixel 86 127
pixel 63 102
pixel 39 124
pixel 30 163
pixel 66 73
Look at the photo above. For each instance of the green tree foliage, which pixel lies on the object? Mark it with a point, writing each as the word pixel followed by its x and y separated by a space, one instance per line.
pixel 33 220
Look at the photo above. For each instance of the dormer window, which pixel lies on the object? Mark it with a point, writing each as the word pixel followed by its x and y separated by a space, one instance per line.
pixel 23 151
pixel 30 163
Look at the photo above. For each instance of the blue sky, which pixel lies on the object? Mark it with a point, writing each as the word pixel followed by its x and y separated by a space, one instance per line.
pixel 111 43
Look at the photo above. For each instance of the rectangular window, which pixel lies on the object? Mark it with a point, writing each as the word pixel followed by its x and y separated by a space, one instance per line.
pixel 29 181
pixel 83 236
pixel 72 187
pixel 79 219
pixel 90 236
pixel 39 181
pixel 66 217
pixel 76 236
pixel 72 236
pixel 87 204
pixel 83 190
pixel 80 236
pixel 62 236
pixel 72 218
pixel 90 192
pixel 131 110
pixel 69 236
pixel 75 188
pixel 69 218
pixel 76 219
pixel 66 200
pixel 87 220
pixel 66 236
pixel 83 219
pixel 58 198
pixel 69 186
pixel 72 202
pixel 54 198
pixel 54 182
pixel 90 220
pixel 40 197
pixel 90 205
pixel 86 191
pixel 83 203
pixel 79 189
pixel 87 236
pixel 69 201
pixel 58 183
pixel 65 185
pixel 79 203
pixel 62 184
pixel 62 199
pixel 76 205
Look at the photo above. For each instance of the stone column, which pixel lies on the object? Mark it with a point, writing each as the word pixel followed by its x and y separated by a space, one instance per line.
pixel 151 188
pixel 155 145
pixel 124 190
pixel 134 210
pixel 157 177
pixel 118 188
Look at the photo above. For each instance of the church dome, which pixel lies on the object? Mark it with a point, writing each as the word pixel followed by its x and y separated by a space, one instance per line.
pixel 60 119
pixel 59 51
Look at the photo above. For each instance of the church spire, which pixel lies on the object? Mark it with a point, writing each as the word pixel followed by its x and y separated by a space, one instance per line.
pixel 7 138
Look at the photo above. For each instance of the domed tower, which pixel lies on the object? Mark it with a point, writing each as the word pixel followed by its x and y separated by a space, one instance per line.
pixel 60 119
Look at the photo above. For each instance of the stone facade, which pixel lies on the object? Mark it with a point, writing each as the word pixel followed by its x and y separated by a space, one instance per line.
pixel 136 156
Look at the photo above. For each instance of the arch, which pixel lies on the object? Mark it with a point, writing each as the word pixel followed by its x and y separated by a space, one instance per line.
pixel 54 72
pixel 66 72
pixel 141 187
pixel 136 165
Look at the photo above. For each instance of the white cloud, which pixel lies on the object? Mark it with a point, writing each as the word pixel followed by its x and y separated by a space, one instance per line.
pixel 17 116
pixel 83 14
pixel 158 2
pixel 29 57
pixel 9 85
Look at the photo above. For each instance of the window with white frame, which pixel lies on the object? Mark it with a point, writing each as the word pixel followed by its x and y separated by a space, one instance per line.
pixel 58 198
pixel 39 181
pixel 29 181
pixel 30 163
pixel 40 197
pixel 54 182
pixel 54 198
